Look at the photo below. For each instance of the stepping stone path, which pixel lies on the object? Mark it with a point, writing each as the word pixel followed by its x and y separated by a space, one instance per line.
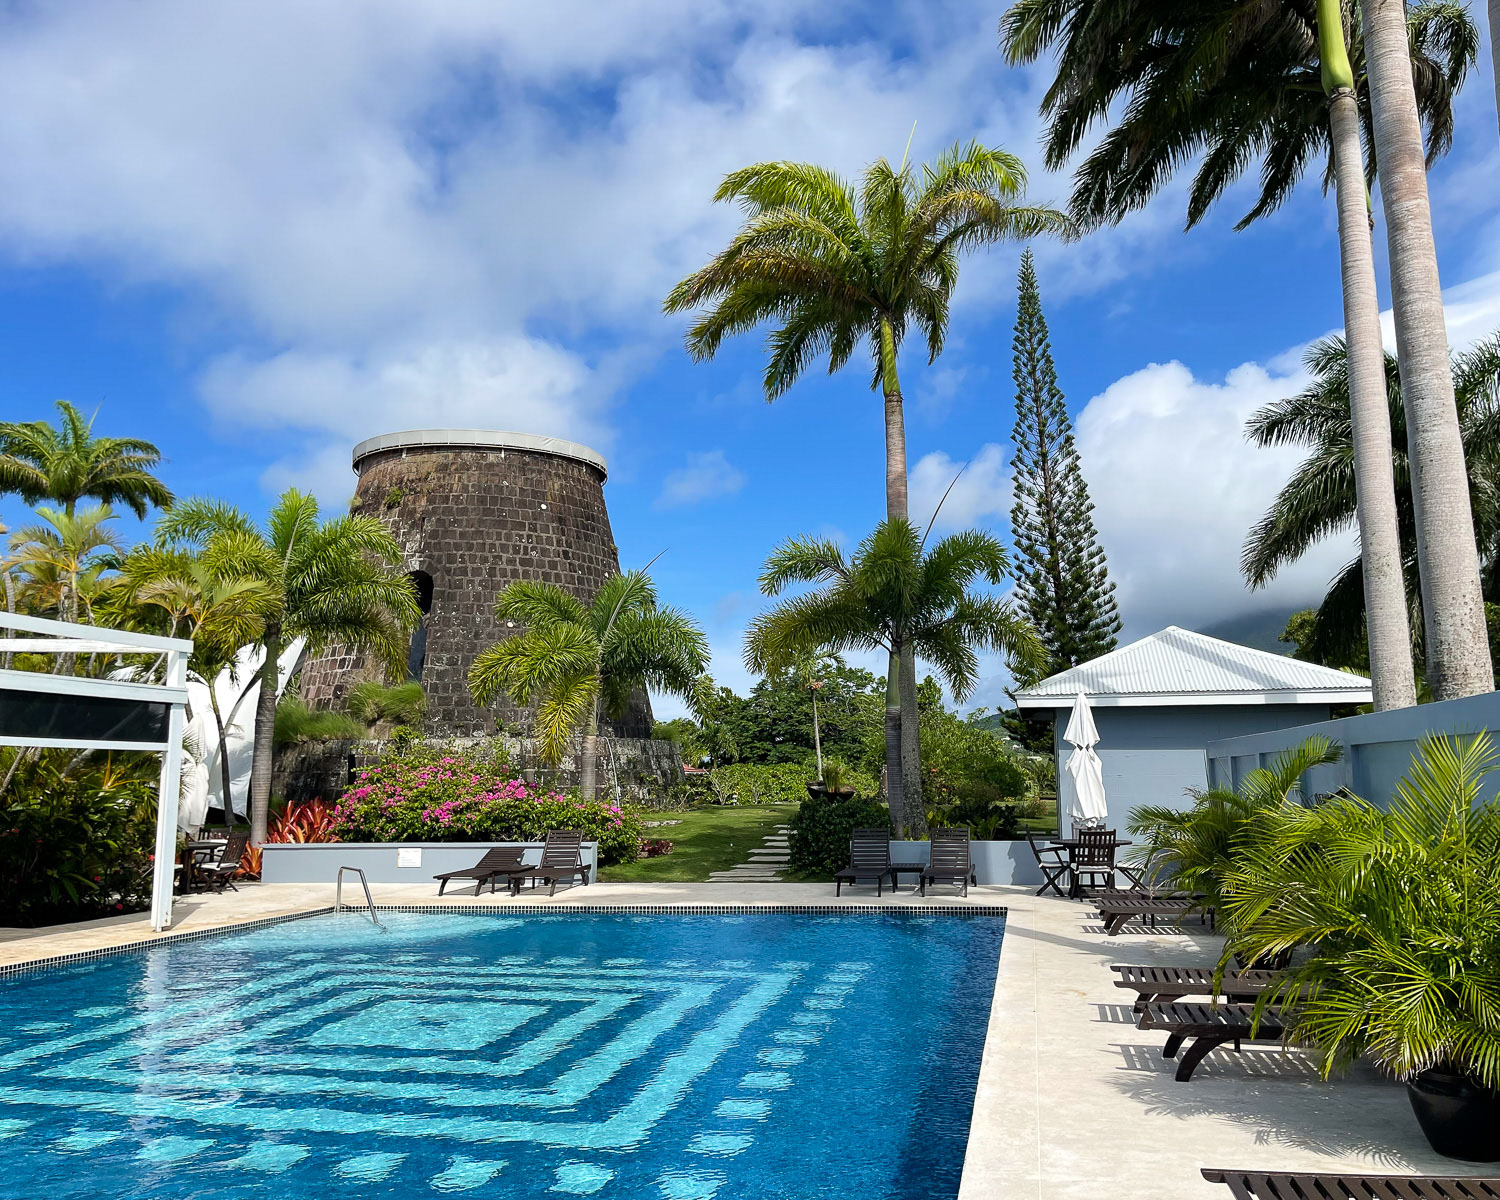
pixel 766 862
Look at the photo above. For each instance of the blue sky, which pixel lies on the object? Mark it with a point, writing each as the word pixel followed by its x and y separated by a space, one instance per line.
pixel 257 233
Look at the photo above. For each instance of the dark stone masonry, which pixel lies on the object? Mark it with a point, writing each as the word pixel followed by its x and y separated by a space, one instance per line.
pixel 474 510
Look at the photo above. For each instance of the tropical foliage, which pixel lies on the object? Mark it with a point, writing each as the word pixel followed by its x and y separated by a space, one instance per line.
pixel 457 799
pixel 67 463
pixel 1401 909
pixel 1228 86
pixel 1319 500
pixel 1194 849
pixel 574 660
pixel 834 269
pixel 331 582
pixel 780 783
pixel 61 562
pixel 897 595
pixel 75 838
pixel 818 840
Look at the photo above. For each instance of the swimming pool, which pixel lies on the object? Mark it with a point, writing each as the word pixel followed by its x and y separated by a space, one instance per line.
pixel 676 1057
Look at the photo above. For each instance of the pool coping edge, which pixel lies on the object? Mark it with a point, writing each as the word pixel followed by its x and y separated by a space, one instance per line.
pixel 56 961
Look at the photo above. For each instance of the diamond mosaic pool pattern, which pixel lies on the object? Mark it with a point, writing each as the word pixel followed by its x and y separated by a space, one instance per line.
pixel 625 1057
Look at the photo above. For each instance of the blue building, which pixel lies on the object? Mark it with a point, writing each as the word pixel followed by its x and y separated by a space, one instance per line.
pixel 1160 701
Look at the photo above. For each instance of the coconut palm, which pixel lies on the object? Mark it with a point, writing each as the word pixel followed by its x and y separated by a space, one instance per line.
pixel 833 269
pixel 61 561
pixel 335 581
pixel 1458 652
pixel 67 463
pixel 1321 497
pixel 179 594
pixel 1280 84
pixel 896 595
pixel 574 660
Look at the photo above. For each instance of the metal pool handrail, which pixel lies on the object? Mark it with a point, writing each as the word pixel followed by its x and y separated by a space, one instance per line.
pixel 338 894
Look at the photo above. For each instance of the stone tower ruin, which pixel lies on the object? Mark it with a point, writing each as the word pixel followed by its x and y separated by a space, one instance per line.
pixel 474 510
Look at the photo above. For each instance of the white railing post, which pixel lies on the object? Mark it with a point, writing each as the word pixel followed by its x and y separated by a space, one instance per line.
pixel 167 800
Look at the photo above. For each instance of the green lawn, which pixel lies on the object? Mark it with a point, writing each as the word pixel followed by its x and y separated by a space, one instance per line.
pixel 711 838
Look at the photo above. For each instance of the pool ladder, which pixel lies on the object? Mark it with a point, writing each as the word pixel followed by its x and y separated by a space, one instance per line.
pixel 338 895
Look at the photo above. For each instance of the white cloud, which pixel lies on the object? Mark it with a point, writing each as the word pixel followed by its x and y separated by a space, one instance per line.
pixel 980 496
pixel 706 476
pixel 1176 487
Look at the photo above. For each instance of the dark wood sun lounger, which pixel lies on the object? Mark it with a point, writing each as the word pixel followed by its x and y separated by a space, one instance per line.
pixel 869 859
pixel 1172 983
pixel 1209 1026
pixel 949 862
pixel 562 858
pixel 503 860
pixel 1118 908
pixel 1266 1185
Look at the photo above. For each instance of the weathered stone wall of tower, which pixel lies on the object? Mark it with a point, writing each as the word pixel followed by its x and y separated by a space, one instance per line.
pixel 474 518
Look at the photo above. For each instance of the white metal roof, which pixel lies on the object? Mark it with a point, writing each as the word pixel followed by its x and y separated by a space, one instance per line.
pixel 1178 666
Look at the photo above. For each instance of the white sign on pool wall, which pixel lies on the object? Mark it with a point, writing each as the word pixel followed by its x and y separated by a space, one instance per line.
pixel 409 856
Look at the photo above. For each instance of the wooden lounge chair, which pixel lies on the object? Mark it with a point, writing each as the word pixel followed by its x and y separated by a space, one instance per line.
pixel 503 860
pixel 1266 1185
pixel 1052 862
pixel 219 872
pixel 869 858
pixel 1209 1026
pixel 1116 908
pixel 949 862
pixel 1172 983
pixel 562 858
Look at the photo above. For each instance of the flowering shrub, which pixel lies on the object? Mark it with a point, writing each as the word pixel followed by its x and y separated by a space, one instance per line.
pixel 453 799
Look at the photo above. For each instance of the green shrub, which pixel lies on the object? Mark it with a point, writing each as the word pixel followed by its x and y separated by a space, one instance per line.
pixel 403 704
pixel 296 723
pixel 78 846
pixel 456 798
pixel 820 832
pixel 779 783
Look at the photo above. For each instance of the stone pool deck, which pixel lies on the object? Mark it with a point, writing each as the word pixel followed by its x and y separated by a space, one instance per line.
pixel 1073 1100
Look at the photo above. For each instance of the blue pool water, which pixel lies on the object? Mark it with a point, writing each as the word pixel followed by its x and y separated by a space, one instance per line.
pixel 681 1057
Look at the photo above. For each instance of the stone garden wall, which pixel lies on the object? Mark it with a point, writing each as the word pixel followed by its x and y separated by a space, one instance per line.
pixel 643 767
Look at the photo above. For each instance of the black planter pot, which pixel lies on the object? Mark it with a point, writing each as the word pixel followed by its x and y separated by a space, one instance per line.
pixel 817 791
pixel 1460 1119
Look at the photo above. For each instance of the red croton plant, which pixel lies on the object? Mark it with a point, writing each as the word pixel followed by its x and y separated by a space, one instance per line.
pixel 309 821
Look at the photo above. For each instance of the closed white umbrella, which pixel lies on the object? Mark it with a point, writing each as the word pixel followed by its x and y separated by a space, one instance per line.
pixel 1088 808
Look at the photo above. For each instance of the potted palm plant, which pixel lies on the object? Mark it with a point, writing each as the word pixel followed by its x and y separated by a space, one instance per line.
pixel 1402 906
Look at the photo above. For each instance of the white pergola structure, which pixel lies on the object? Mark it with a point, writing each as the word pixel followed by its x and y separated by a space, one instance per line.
pixel 75 712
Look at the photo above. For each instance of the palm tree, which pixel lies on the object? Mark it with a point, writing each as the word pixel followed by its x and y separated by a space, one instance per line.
pixel 62 560
pixel 893 594
pixel 833 269
pixel 1458 652
pixel 335 581
pixel 219 614
pixel 1320 498
pixel 67 463
pixel 574 659
pixel 1275 83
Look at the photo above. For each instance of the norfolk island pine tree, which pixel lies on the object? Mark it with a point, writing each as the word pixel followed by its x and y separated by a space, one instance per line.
pixel 1062 582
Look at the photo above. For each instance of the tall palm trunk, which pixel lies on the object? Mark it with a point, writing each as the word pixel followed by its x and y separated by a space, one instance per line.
pixel 817 737
pixel 588 768
pixel 224 781
pixel 894 792
pixel 1495 46
pixel 261 760
pixel 1458 653
pixel 902 667
pixel 1387 623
